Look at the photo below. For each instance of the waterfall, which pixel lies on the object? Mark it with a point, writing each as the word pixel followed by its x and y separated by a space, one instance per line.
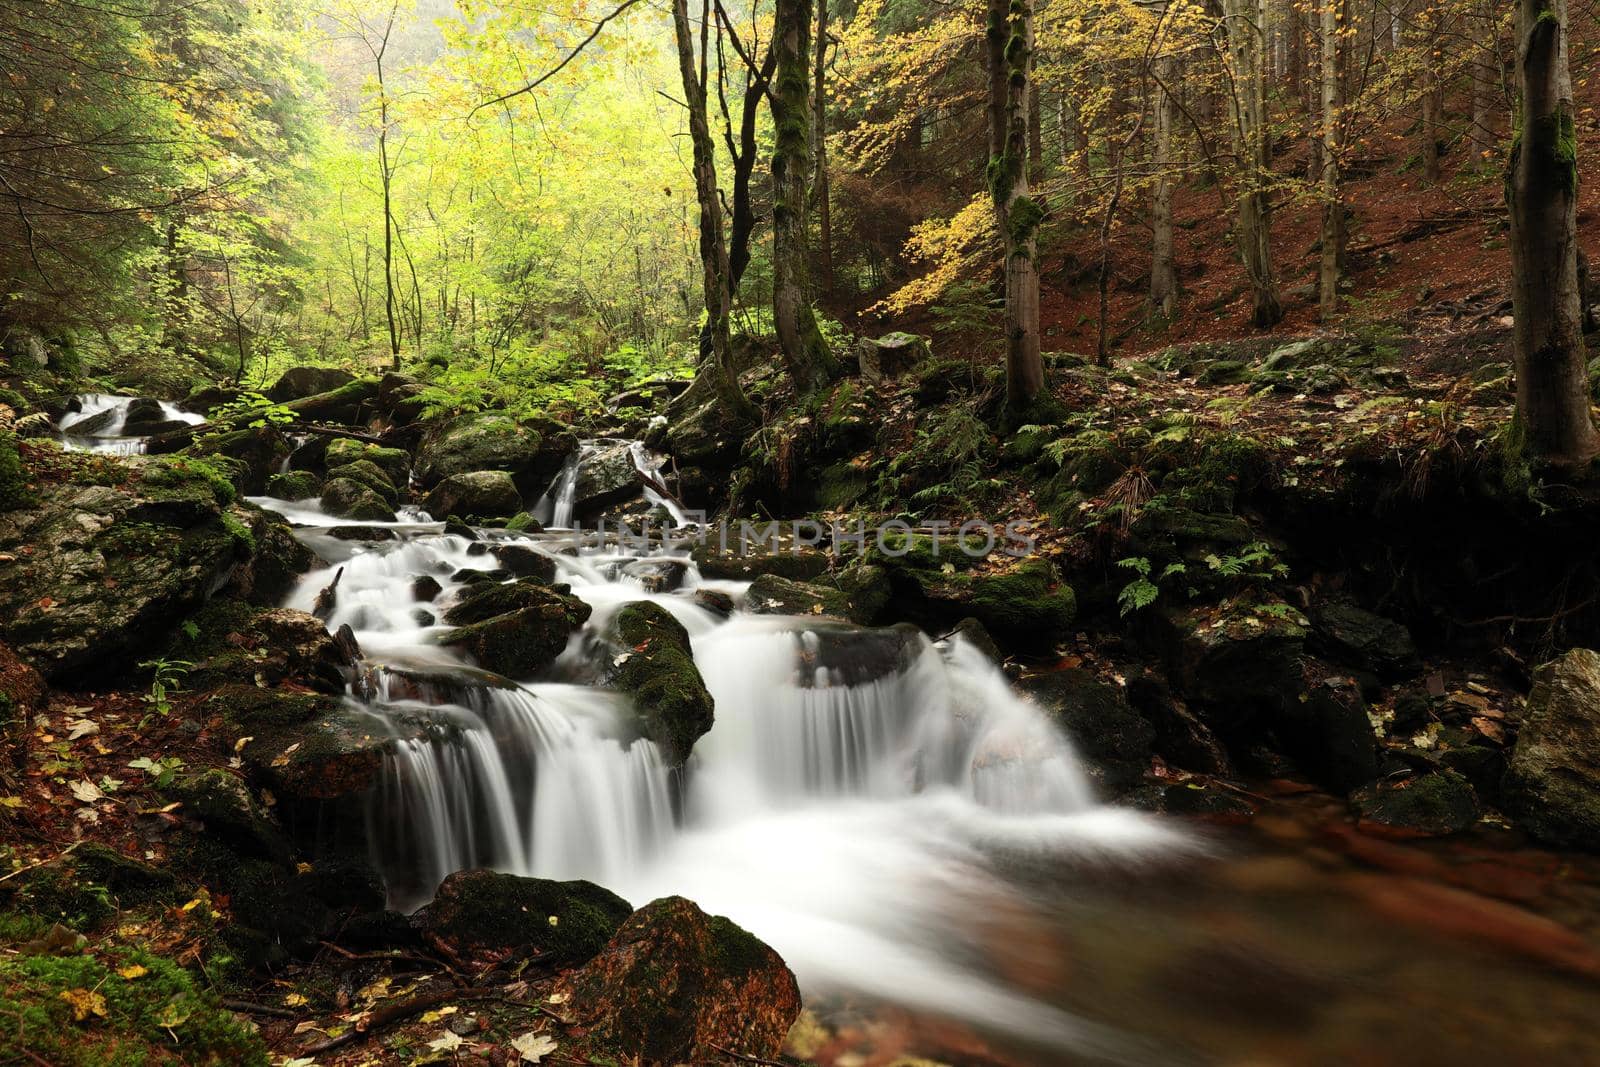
pixel 106 435
pixel 557 508
pixel 855 804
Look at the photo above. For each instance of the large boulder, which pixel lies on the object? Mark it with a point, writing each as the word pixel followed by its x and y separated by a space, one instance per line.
pixel 481 913
pixel 532 455
pixel 521 642
pixel 657 669
pixel 1113 740
pixel 1026 605
pixel 347 498
pixel 297 383
pixel 475 494
pixel 606 477
pixel 1552 785
pixel 270 647
pixel 481 601
pixel 1328 733
pixel 365 472
pixel 1236 661
pixel 676 985
pixel 1353 635
pixel 891 355
pixel 249 457
pixel 394 462
pixel 747 558
pixel 96 576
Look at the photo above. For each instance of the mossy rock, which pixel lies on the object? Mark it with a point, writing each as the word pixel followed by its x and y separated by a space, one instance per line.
pixel 251 709
pixel 1238 661
pixel 474 494
pixel 1429 805
pixel 369 474
pixel 294 485
pixel 1225 372
pixel 349 499
pixel 136 1008
pixel 531 454
pixel 658 671
pixel 1552 785
pixel 1027 606
pixel 334 756
pixel 394 462
pixel 481 601
pixel 521 643
pixel 760 554
pixel 1113 740
pixel 676 985
pixel 224 803
pixel 486 913
pixel 297 383
pixel 254 454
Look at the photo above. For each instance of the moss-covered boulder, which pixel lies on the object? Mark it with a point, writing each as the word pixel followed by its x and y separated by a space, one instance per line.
pixel 1552 786
pixel 294 485
pixel 348 499
pixel 234 642
pixel 482 913
pixel 491 441
pixel 475 494
pixel 277 558
pixel 1024 605
pixel 116 1005
pixel 297 383
pixel 1428 805
pixel 1112 739
pixel 96 576
pixel 481 601
pixel 891 355
pixel 657 670
pixel 747 559
pixel 525 562
pixel 522 642
pixel 394 462
pixel 772 595
pixel 676 985
pixel 251 455
pixel 334 756
pixel 1236 660
pixel 365 472
pixel 224 804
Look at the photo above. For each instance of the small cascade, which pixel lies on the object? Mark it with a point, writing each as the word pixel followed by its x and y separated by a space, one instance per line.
pixel 554 509
pixel 100 421
pixel 558 507
pixel 851 804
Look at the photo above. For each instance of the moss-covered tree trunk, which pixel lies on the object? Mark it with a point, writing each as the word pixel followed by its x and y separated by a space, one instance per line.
pixel 805 350
pixel 715 276
pixel 1008 49
pixel 1247 36
pixel 1553 413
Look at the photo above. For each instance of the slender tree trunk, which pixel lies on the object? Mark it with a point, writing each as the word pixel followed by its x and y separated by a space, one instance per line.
pixel 1163 272
pixel 177 317
pixel 1247 32
pixel 1432 91
pixel 1487 71
pixel 713 249
pixel 820 190
pixel 1333 229
pixel 1009 51
pixel 805 351
pixel 1553 412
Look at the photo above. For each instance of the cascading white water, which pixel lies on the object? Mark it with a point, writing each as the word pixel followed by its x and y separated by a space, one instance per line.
pixel 855 804
pixel 110 438
pixel 557 508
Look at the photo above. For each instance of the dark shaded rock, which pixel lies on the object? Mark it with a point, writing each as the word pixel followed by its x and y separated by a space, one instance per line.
pixel 294 485
pixel 1429 805
pixel 1329 736
pixel 1112 739
pixel 675 985
pixel 1552 786
pixel 1026 606
pixel 485 599
pixel 351 500
pixel 748 559
pixel 524 562
pixel 145 417
pixel 772 595
pixel 475 494
pixel 1242 661
pixel 331 757
pixel 891 355
pixel 362 533
pixel 482 912
pixel 236 643
pixel 657 575
pixel 658 671
pixel 297 383
pixel 224 803
pixel 1359 638
pixel 522 642
pixel 715 601
pixel 1181 736
pixel 972 632
pixel 1480 765
pixel 426 587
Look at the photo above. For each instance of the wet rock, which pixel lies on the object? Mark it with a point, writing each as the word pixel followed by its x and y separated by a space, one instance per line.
pixel 224 803
pixel 237 643
pixel 606 477
pixel 1113 740
pixel 491 441
pixel 715 601
pixel 362 533
pixel 249 457
pixel 675 985
pixel 524 562
pixel 297 383
pixel 144 417
pixel 658 671
pixel 475 494
pixel 1552 785
pixel 973 633
pixel 395 463
pixel 294 485
pixel 480 912
pixel 657 575
pixel 1361 639
pixel 523 642
pixel 101 575
pixel 425 587
pixel 364 472
pixel 1429 805
pixel 746 560
pixel 891 355
pixel 349 499
pixel 483 600
pixel 333 756
pixel 772 595
pixel 835 655
pixel 1026 606
pixel 1329 736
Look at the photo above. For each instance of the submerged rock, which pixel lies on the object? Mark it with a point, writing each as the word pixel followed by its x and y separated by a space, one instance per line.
pixel 475 494
pixel 1552 785
pixel 676 985
pixel 674 707
pixel 486 912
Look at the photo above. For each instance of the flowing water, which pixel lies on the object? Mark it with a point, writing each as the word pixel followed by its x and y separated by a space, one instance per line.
pixel 904 829
pixel 109 437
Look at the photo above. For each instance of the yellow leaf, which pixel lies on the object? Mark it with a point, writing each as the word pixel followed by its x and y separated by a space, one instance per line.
pixel 132 971
pixel 173 1015
pixel 295 1000
pixel 85 1002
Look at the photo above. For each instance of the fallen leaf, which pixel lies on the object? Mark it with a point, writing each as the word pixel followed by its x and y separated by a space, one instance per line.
pixel 85 1002
pixel 85 791
pixel 132 971
pixel 173 1015
pixel 447 1042
pixel 533 1046
pixel 77 728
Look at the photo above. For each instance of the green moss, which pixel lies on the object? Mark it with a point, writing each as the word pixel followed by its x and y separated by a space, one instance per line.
pixel 294 485
pixel 157 1016
pixel 179 472
pixel 14 492
pixel 567 922
pixel 394 462
pixel 674 707
pixel 1022 220
pixel 250 709
pixel 365 472
pixel 243 539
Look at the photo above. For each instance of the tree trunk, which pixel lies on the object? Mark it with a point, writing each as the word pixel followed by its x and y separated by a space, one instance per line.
pixel 713 250
pixel 1247 40
pixel 1333 230
pixel 1487 71
pixel 820 186
pixel 805 351
pixel 1009 53
pixel 1553 413
pixel 1163 273
pixel 1432 92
